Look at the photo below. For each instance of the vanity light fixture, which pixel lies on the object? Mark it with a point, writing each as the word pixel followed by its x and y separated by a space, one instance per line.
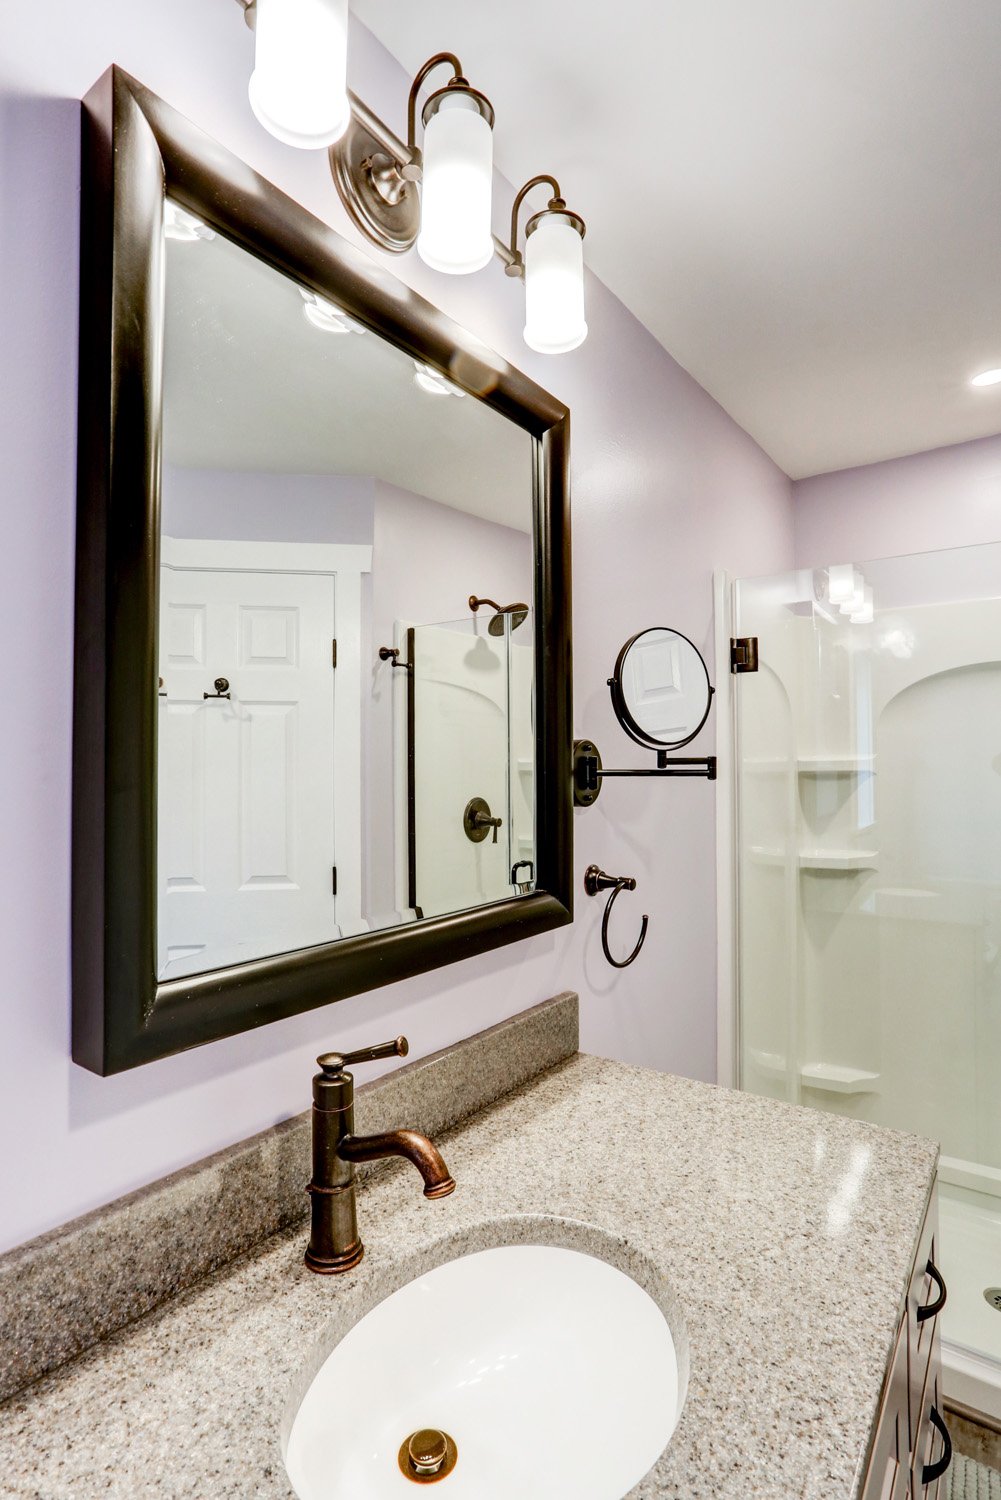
pixel 326 316
pixel 458 172
pixel 553 271
pixel 298 89
pixel 987 377
pixel 377 174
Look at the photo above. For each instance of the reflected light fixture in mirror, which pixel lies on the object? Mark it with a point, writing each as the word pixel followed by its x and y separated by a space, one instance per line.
pixel 298 89
pixel 325 316
pixel 841 582
pixel 178 224
pixel 863 614
pixel 433 382
pixel 987 377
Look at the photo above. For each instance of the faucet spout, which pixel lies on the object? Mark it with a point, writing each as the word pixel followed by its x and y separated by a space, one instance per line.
pixel 416 1148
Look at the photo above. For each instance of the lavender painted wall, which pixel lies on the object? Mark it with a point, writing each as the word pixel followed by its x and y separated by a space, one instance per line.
pixel 665 487
pixel 227 504
pixel 949 497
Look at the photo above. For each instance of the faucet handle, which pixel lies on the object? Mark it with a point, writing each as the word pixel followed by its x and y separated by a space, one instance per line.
pixel 332 1063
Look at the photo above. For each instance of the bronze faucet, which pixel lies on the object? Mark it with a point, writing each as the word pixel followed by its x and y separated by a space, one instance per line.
pixel 333 1241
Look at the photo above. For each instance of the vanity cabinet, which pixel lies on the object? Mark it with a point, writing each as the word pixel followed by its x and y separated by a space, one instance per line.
pixel 911 1441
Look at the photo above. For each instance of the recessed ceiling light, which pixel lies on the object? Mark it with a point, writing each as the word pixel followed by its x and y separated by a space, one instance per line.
pixel 987 377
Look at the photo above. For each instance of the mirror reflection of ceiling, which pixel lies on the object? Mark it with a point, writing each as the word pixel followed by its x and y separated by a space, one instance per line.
pixel 799 198
pixel 251 383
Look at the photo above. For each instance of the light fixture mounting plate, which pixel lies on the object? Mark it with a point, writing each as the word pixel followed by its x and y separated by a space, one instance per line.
pixel 380 203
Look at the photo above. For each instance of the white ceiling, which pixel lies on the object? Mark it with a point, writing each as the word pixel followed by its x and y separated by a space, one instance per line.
pixel 250 384
pixel 801 199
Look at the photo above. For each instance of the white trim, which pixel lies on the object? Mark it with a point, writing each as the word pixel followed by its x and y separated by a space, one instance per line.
pixel 973 1175
pixel 346 769
pixel 971 1378
pixel 726 899
pixel 264 557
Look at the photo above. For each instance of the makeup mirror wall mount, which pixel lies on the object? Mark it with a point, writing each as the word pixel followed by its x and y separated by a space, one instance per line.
pixel 301 490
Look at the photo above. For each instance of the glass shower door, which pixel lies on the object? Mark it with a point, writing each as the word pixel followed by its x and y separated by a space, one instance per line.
pixel 868 837
pixel 472 762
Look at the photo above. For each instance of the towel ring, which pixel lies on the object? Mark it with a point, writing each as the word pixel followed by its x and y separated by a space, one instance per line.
pixel 596 880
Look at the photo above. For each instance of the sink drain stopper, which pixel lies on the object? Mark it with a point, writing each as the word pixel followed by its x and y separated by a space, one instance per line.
pixel 430 1455
pixel 992 1294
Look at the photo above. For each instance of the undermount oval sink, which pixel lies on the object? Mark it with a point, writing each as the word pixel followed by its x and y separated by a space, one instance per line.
pixel 553 1372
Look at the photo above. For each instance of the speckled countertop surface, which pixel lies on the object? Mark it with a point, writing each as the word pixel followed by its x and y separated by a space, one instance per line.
pixel 784 1236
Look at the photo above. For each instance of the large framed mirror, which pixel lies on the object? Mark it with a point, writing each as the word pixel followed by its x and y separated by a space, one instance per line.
pixel 323 601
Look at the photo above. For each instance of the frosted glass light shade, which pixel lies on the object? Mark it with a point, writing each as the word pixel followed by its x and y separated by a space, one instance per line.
pixel 856 598
pixel 554 285
pixel 455 233
pixel 298 89
pixel 840 582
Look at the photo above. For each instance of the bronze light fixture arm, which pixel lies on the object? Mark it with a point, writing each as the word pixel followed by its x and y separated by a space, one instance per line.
pixel 411 168
pixel 514 263
pixel 407 160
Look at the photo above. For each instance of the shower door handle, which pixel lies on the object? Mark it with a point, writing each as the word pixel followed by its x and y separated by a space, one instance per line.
pixel 932 1309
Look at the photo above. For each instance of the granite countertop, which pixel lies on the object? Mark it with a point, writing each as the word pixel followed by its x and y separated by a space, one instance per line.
pixel 785 1237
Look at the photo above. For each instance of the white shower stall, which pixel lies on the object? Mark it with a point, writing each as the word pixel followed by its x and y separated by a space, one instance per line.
pixel 866 881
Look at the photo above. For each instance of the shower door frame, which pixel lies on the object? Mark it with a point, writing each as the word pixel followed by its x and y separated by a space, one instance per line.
pixel 727 994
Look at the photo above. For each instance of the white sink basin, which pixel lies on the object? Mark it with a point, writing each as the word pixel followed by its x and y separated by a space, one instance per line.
pixel 555 1374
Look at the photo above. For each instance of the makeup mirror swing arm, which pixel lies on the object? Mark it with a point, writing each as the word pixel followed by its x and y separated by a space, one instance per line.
pixel 588 772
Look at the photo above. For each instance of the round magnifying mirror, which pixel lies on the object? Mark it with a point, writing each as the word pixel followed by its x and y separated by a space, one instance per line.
pixel 661 691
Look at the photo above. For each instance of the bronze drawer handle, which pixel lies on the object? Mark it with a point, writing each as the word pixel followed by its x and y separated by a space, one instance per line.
pixel 932 1309
pixel 931 1472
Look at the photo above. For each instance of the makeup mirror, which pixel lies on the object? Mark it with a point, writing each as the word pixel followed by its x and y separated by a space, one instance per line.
pixel 660 688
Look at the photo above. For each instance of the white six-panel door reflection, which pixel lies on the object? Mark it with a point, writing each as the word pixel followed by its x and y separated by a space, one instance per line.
pixel 246 783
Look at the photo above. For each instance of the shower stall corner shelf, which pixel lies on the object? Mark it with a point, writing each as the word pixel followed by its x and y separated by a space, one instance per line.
pixel 846 860
pixel 835 765
pixel 815 765
pixel 833 1078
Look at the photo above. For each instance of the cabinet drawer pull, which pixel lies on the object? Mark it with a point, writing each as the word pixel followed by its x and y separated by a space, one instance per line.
pixel 932 1309
pixel 931 1472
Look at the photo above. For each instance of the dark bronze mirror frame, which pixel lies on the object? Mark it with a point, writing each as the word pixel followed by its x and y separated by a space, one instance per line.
pixel 136 148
